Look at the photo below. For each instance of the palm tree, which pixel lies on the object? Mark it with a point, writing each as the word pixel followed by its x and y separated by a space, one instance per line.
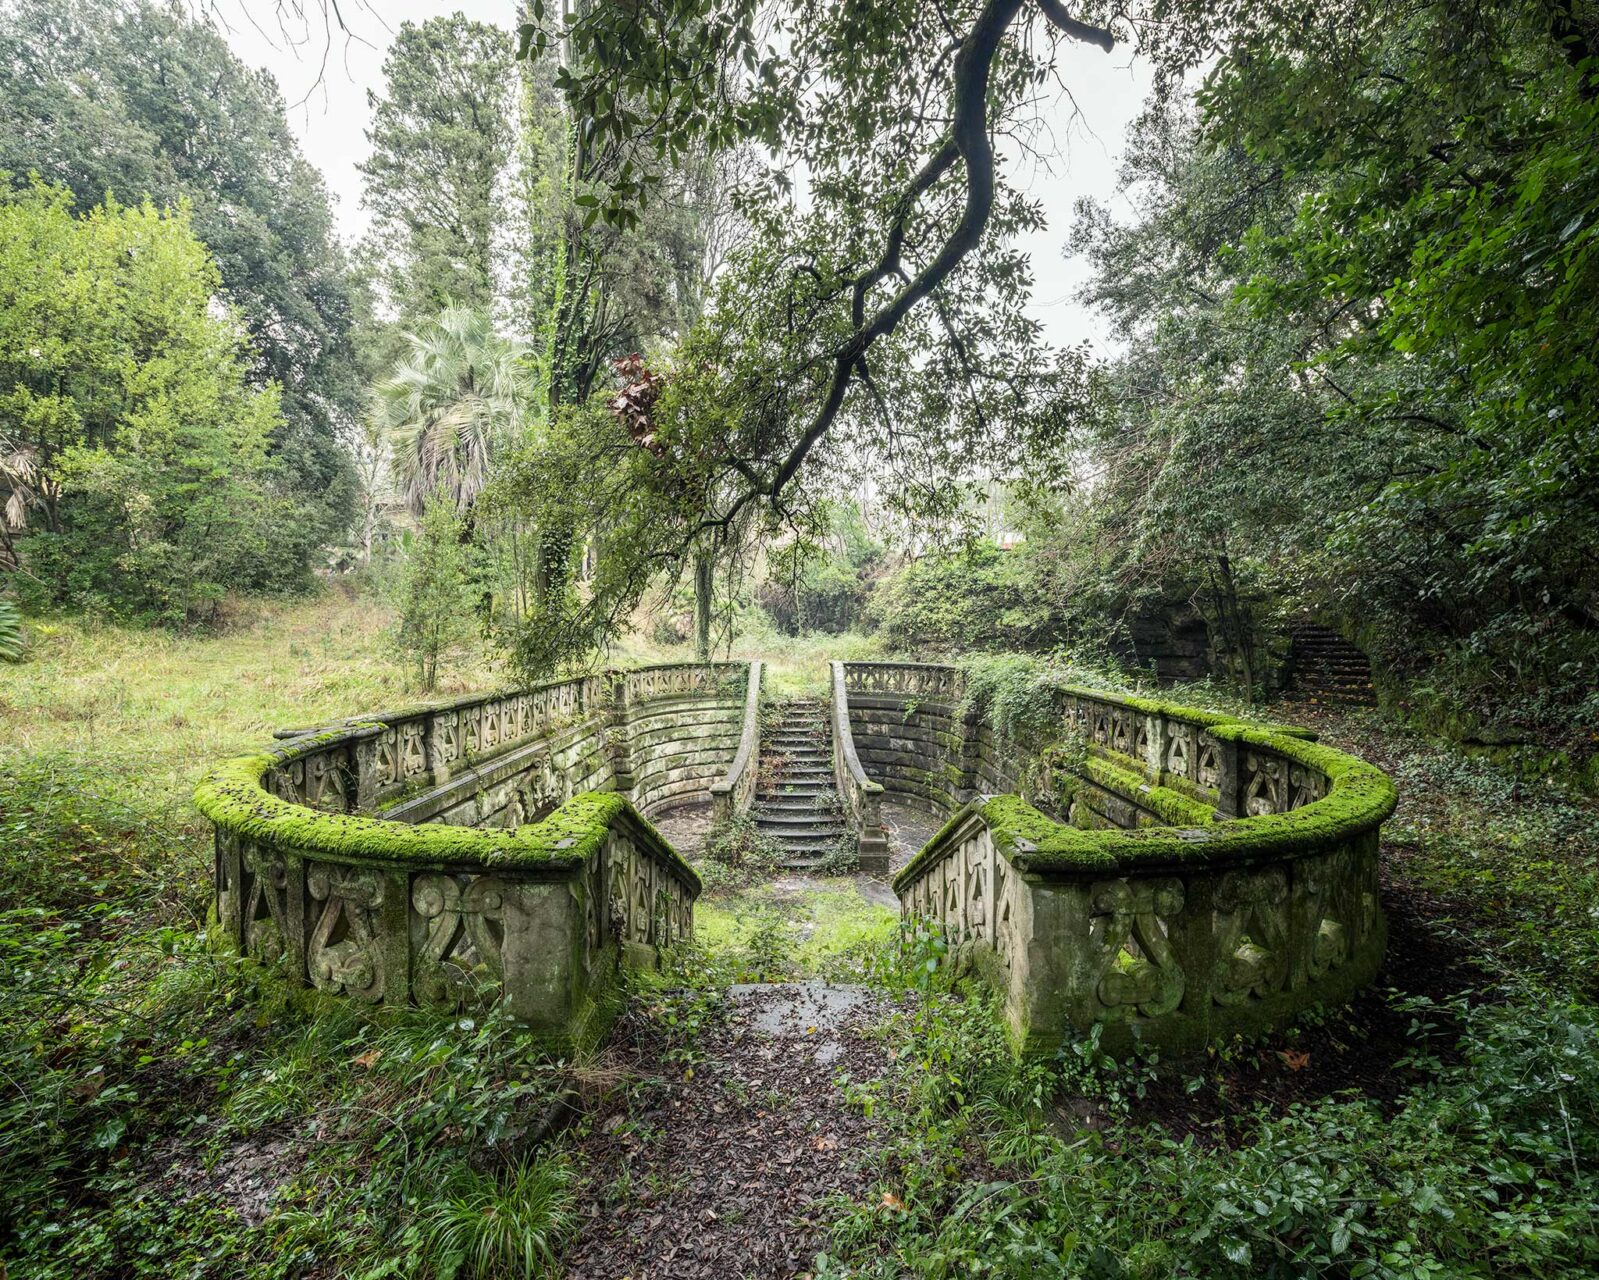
pixel 24 484
pixel 450 403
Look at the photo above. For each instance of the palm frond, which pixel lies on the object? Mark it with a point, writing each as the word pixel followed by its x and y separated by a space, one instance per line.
pixel 455 399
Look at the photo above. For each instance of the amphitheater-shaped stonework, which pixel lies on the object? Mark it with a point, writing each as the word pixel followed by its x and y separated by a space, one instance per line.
pixel 1171 874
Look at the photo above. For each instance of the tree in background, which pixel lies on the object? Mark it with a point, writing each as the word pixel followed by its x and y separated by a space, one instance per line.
pixel 457 397
pixel 139 100
pixel 151 486
pixel 442 136
pixel 822 584
pixel 436 592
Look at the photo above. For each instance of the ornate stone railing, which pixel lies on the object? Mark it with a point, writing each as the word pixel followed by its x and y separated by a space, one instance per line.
pixel 733 792
pixel 861 797
pixel 486 848
pixel 1214 878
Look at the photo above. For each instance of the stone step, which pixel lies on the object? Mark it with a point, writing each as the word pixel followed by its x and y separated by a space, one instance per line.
pixel 807 859
pixel 790 820
pixel 811 843
pixel 787 800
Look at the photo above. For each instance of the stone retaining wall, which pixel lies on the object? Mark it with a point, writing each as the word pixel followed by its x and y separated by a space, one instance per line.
pixel 487 848
pixel 1212 877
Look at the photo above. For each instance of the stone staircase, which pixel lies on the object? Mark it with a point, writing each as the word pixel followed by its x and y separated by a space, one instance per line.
pixel 795 803
pixel 1326 668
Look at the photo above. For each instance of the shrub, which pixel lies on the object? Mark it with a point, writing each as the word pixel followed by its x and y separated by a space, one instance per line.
pixel 973 600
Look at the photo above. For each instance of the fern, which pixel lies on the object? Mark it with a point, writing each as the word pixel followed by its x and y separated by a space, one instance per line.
pixel 13 639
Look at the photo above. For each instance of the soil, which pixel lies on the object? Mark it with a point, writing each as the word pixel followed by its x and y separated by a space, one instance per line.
pixel 721 1168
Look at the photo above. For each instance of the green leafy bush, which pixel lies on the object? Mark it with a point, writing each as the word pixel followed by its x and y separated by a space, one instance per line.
pixel 972 600
pixel 1490 1169
pixel 132 392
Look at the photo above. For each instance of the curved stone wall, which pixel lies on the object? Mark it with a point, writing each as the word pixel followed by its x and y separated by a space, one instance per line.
pixel 1212 877
pixel 904 719
pixel 488 848
pixel 682 729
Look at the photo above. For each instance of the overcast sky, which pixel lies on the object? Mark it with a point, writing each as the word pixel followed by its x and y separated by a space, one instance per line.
pixel 325 82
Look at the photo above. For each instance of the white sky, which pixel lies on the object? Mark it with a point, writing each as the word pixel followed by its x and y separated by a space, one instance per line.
pixel 325 83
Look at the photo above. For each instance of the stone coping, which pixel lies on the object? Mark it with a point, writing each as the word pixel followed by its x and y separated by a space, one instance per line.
pixel 1359 798
pixel 738 780
pixel 235 797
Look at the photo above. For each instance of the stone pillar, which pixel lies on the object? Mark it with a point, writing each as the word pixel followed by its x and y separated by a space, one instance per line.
pixel 1228 774
pixel 1159 741
pixel 394 937
pixel 872 848
pixel 365 799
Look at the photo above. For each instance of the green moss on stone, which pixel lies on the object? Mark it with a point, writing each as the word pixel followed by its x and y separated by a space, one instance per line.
pixel 1359 798
pixel 233 798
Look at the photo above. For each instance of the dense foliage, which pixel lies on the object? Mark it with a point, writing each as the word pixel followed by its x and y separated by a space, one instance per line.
pixel 141 100
pixel 130 392
pixel 1358 304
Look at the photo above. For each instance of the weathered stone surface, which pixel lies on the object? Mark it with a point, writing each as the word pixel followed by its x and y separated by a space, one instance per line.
pixel 1216 878
pixel 455 854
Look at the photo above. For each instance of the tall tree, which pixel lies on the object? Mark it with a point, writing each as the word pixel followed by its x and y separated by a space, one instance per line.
pixel 442 136
pixel 126 97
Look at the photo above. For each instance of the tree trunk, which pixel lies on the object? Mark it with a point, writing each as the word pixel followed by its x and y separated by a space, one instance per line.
pixel 704 598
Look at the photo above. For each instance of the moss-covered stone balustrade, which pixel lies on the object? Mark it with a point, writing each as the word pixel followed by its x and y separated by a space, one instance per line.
pixel 860 796
pixel 1199 876
pixel 495 847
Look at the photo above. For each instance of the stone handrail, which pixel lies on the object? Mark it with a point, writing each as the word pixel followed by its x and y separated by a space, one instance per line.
pixel 733 793
pixel 911 679
pixel 1216 878
pixel 536 880
pixel 861 797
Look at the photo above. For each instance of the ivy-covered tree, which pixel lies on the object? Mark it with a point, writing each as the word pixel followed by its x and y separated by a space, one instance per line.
pixel 141 100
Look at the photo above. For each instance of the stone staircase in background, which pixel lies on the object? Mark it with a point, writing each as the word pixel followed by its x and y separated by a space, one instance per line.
pixel 1324 667
pixel 796 806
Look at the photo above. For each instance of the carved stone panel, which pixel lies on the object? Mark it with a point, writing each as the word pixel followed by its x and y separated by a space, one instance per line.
pixel 1252 935
pixel 264 876
pixel 1129 926
pixel 1264 780
pixel 344 953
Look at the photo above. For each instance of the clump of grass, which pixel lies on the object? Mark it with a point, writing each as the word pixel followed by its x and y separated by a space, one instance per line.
pixel 490 1227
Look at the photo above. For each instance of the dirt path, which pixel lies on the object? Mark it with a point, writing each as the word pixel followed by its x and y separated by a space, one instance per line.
pixel 718 1168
